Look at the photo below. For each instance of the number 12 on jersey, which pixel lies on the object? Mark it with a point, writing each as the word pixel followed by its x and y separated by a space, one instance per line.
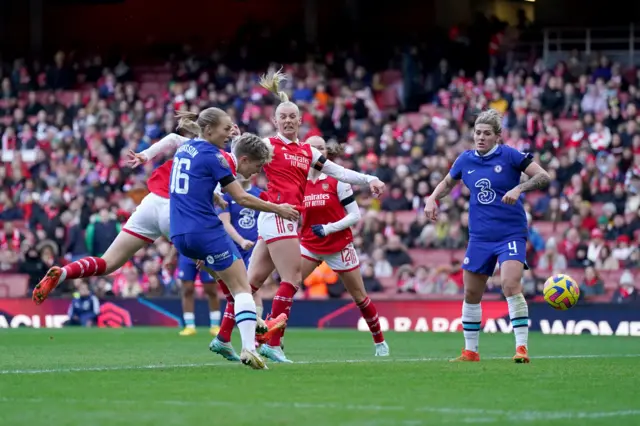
pixel 179 179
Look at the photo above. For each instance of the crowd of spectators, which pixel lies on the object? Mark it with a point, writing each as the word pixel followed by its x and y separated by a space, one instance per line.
pixel 66 191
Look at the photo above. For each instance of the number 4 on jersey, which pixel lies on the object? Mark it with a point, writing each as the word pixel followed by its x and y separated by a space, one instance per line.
pixel 180 180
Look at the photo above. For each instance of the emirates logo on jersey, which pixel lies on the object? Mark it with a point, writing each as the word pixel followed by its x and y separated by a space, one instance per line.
pixel 298 161
pixel 315 200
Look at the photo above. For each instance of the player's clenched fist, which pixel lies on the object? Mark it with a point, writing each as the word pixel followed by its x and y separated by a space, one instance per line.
pixel 288 212
pixel 377 187
pixel 246 244
pixel 431 209
pixel 512 196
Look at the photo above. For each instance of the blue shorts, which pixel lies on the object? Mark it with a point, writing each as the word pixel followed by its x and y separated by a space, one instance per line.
pixel 217 249
pixel 187 271
pixel 481 256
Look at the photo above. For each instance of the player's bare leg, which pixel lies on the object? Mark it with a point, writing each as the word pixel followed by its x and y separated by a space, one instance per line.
pixel 188 308
pixel 511 277
pixel 262 263
pixel 119 252
pixel 221 344
pixel 260 268
pixel 228 319
pixel 211 290
pixel 355 286
pixel 474 285
pixel 235 278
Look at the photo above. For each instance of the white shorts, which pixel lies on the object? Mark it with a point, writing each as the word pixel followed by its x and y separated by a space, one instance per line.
pixel 150 220
pixel 272 227
pixel 343 261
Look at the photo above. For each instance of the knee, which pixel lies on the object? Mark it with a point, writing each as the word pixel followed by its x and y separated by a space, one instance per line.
pixel 473 294
pixel 511 284
pixel 188 288
pixel 211 291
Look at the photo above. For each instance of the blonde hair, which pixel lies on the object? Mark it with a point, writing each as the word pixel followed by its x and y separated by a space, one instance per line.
pixel 195 123
pixel 271 81
pixel 334 150
pixel 491 117
pixel 253 147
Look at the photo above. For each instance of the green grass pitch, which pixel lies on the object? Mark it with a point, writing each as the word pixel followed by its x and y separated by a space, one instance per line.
pixel 146 376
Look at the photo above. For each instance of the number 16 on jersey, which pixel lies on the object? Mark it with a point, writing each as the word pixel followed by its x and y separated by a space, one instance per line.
pixel 179 179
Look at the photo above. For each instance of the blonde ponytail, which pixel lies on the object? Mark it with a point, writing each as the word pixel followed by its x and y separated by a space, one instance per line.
pixel 271 82
pixel 187 121
pixel 195 123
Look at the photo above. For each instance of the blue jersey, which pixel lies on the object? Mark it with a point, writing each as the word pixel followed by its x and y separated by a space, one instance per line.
pixel 489 178
pixel 243 219
pixel 198 167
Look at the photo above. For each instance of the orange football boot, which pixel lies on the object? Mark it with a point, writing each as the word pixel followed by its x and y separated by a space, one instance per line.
pixel 522 355
pixel 47 285
pixel 274 324
pixel 467 356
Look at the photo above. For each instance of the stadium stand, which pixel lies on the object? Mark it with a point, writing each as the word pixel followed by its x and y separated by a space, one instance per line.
pixel 65 129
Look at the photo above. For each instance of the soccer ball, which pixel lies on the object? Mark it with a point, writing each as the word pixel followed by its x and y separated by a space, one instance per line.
pixel 561 291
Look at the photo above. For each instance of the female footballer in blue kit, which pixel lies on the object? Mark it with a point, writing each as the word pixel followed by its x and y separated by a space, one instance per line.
pixel 497 227
pixel 195 229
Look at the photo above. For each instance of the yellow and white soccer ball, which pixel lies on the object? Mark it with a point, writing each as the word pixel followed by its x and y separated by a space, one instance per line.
pixel 561 291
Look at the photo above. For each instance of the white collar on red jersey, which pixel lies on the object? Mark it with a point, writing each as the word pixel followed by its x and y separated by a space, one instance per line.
pixel 285 140
pixel 321 177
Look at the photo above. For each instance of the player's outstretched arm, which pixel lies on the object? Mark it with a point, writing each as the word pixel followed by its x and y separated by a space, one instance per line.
pixel 169 142
pixel 538 179
pixel 441 190
pixel 242 197
pixel 334 170
pixel 347 199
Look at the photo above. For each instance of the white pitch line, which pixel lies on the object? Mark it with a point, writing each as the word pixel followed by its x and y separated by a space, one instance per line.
pixel 328 361
pixel 475 415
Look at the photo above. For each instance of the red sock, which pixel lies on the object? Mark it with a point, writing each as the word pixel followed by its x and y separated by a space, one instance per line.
pixel 370 315
pixel 85 267
pixel 282 304
pixel 229 318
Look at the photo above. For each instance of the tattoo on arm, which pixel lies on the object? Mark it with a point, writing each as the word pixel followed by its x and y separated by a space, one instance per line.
pixel 447 185
pixel 537 181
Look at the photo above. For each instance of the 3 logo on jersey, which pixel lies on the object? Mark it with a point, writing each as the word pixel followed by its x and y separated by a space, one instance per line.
pixel 486 194
pixel 247 218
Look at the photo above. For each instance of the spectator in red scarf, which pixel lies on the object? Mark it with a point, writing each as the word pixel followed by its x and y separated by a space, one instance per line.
pixel 626 291
pixel 592 284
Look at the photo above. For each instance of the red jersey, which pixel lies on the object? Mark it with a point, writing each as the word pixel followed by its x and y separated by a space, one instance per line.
pixel 158 182
pixel 323 204
pixel 288 171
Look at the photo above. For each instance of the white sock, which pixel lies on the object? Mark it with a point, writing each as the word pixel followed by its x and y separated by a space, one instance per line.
pixel 214 318
pixel 471 322
pixel 245 311
pixel 259 311
pixel 519 314
pixel 189 319
pixel 63 275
